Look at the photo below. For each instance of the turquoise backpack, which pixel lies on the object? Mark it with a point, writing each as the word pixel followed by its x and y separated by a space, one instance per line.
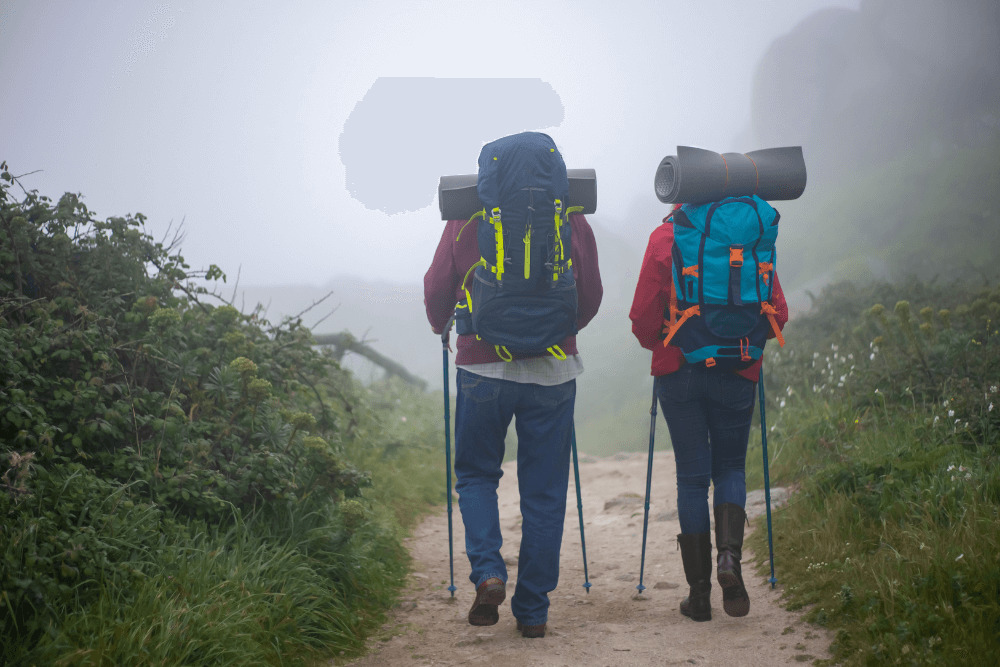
pixel 720 310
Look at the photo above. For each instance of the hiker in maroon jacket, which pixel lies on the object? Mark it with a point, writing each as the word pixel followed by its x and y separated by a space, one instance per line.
pixel 708 413
pixel 541 392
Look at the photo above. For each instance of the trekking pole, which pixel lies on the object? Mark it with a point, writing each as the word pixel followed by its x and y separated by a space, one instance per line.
pixel 447 452
pixel 579 507
pixel 767 481
pixel 649 479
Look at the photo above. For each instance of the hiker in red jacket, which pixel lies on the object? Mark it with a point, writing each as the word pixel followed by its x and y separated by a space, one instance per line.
pixel 541 392
pixel 708 413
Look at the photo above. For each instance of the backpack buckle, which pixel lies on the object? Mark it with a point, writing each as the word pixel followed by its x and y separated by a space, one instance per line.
pixel 736 256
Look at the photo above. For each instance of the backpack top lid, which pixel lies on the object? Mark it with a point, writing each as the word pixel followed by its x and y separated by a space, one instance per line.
pixel 734 220
pixel 519 161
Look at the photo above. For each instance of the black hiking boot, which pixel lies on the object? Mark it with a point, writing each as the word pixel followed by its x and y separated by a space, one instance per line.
pixel 696 554
pixel 489 595
pixel 729 520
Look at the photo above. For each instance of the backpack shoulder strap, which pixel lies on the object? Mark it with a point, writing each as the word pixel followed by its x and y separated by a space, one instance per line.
pixel 677 317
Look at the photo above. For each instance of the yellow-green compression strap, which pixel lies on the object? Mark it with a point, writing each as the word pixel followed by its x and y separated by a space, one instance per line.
pixel 498 234
pixel 557 352
pixel 527 252
pixel 559 251
pixel 468 295
pixel 562 262
pixel 478 214
pixel 503 353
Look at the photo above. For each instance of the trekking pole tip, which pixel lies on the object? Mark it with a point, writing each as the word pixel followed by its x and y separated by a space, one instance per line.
pixel 640 588
pixel 452 590
pixel 773 581
pixel 587 586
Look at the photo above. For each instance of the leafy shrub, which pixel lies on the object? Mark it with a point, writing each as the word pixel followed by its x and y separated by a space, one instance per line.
pixel 144 421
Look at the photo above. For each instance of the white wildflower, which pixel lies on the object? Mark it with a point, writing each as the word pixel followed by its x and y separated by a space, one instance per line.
pixel 960 556
pixel 951 413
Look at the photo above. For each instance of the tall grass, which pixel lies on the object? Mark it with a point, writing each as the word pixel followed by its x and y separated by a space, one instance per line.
pixel 886 421
pixel 215 599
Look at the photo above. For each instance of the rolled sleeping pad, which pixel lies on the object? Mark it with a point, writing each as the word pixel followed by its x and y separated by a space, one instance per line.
pixel 698 176
pixel 459 200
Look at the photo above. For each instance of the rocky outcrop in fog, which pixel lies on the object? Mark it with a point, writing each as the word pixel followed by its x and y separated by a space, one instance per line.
pixel 860 87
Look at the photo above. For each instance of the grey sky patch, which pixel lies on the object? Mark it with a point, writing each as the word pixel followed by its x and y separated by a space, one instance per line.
pixel 406 132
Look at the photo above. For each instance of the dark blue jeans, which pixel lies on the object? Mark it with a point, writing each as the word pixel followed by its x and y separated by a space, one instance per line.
pixel 708 413
pixel 483 411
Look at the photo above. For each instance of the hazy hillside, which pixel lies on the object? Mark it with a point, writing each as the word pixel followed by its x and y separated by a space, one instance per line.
pixel 901 129
pixel 387 316
pixel 390 317
pixel 900 126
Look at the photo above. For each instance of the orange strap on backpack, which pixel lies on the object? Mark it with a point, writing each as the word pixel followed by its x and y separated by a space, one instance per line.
pixel 767 309
pixel 671 326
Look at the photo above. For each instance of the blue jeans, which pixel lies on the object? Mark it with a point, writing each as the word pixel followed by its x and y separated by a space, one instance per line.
pixel 708 413
pixel 483 411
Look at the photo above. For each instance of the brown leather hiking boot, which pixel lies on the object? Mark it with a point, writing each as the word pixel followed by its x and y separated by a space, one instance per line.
pixel 531 631
pixel 489 595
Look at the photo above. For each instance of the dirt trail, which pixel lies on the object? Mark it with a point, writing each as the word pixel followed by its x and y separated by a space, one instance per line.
pixel 609 626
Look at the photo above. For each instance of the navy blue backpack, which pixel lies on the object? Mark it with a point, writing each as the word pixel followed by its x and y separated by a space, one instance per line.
pixel 522 296
pixel 720 310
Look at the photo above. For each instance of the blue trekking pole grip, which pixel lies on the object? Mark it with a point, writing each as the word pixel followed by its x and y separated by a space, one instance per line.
pixel 767 480
pixel 649 480
pixel 579 507
pixel 447 452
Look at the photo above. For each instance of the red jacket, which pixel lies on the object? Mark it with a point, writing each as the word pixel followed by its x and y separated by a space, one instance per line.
pixel 652 295
pixel 453 258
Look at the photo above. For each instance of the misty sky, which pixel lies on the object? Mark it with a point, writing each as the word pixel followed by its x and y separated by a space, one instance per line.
pixel 230 116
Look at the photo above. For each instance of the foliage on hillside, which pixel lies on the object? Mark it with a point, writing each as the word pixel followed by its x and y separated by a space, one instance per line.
pixel 932 216
pixel 884 409
pixel 179 481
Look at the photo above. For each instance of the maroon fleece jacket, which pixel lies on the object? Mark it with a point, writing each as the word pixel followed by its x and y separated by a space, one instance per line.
pixel 456 254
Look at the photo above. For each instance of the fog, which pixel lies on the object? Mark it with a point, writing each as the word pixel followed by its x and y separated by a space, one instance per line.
pixel 232 118
pixel 299 147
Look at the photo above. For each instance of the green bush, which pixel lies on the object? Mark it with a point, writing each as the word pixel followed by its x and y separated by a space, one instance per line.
pixel 147 428
pixel 884 411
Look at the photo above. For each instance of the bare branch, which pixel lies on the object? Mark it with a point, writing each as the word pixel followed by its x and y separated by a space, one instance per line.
pixel 344 341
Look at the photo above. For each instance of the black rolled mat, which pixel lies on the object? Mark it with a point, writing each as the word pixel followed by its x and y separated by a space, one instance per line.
pixel 458 199
pixel 697 176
